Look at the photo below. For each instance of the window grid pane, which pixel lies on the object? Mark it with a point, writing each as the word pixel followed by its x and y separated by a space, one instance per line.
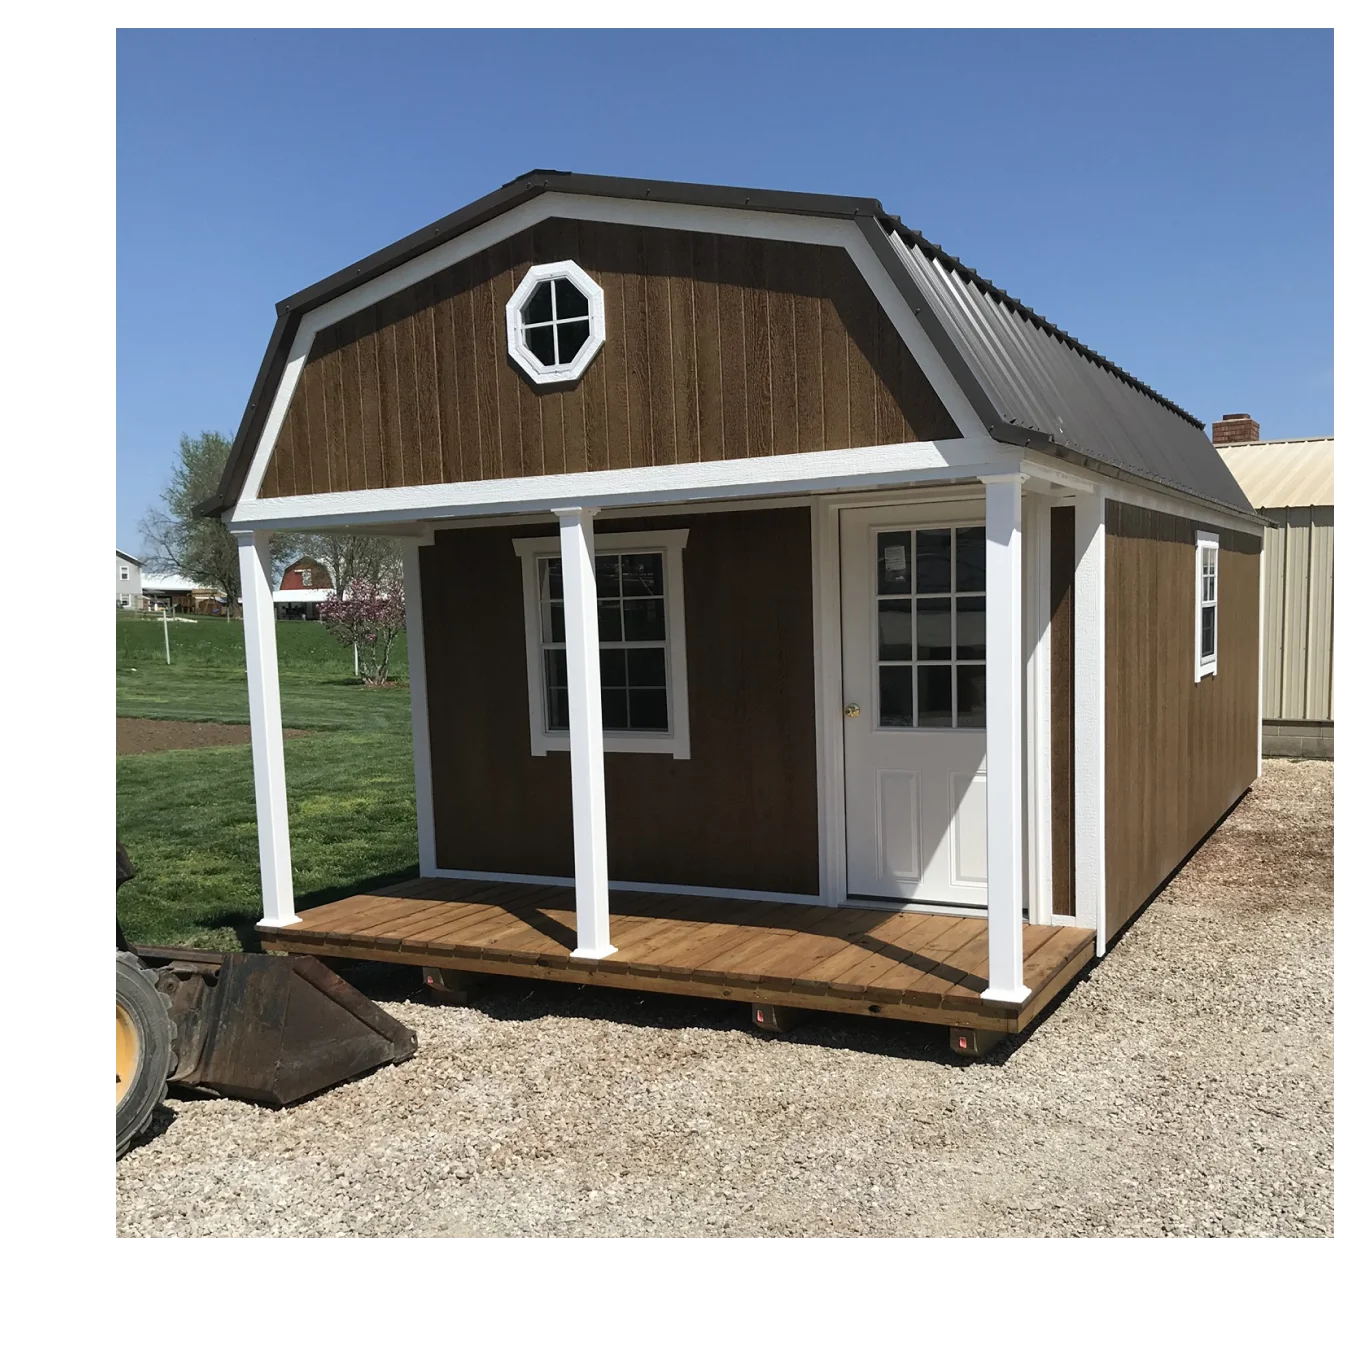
pixel 930 627
pixel 631 614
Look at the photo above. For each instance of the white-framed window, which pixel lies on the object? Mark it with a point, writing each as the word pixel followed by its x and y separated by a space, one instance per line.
pixel 1207 604
pixel 124 573
pixel 306 576
pixel 641 615
pixel 555 322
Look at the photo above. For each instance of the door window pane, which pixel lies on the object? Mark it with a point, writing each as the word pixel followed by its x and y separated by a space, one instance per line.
pixel 896 629
pixel 933 629
pixel 969 692
pixel 895 562
pixel 934 695
pixel 933 561
pixel 896 695
pixel 924 641
pixel 969 628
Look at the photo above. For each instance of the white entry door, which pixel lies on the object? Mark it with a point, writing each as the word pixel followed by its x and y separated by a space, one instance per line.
pixel 913 686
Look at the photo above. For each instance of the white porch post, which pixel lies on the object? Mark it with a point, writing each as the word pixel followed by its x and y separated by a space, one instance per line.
pixel 585 732
pixel 1003 699
pixel 1090 707
pixel 267 730
pixel 420 718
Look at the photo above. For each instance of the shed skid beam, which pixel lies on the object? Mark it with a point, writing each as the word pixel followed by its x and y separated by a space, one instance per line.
pixel 267 730
pixel 586 733
pixel 1003 700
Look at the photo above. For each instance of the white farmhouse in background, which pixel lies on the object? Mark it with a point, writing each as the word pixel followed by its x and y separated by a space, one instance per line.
pixel 129 573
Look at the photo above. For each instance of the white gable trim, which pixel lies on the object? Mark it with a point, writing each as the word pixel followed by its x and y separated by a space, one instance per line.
pixel 609 210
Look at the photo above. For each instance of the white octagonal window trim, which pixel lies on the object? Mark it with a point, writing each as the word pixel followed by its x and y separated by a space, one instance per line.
pixel 555 322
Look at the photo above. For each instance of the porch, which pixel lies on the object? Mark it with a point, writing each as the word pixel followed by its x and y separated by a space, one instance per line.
pixel 894 965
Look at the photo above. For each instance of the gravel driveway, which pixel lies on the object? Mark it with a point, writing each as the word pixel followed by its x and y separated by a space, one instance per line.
pixel 1184 1087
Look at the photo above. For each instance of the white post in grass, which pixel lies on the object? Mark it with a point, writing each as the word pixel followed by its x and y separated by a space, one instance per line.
pixel 267 730
pixel 165 629
pixel 585 732
pixel 1003 701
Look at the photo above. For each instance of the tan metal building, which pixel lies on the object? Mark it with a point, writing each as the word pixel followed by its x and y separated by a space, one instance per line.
pixel 1292 482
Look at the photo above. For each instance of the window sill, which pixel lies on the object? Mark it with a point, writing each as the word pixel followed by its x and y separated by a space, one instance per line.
pixel 671 745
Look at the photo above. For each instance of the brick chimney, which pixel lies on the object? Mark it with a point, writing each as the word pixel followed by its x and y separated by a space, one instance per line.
pixel 1235 428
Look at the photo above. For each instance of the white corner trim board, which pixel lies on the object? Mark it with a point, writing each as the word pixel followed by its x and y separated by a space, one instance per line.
pixel 814 471
pixel 670 543
pixel 1003 676
pixel 662 215
pixel 1090 722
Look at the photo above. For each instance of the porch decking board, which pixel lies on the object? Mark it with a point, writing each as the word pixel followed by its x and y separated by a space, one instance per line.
pixel 908 966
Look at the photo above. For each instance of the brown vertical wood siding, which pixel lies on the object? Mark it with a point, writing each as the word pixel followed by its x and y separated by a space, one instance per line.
pixel 1179 753
pixel 741 812
pixel 716 348
pixel 1062 709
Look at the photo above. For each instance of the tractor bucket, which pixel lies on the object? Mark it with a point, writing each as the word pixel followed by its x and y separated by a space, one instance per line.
pixel 270 1028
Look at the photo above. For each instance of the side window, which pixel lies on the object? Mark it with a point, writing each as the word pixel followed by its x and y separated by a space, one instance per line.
pixel 1207 604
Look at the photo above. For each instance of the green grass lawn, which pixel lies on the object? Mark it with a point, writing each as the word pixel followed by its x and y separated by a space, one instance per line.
pixel 217 643
pixel 187 817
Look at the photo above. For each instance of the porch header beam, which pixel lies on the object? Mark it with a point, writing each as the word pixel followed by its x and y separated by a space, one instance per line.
pixel 826 470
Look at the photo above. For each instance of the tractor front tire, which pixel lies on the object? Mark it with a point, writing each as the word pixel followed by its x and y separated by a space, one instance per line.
pixel 145 1053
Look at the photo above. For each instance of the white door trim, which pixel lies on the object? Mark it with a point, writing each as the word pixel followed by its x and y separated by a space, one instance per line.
pixel 825 525
pixel 1003 515
pixel 1037 837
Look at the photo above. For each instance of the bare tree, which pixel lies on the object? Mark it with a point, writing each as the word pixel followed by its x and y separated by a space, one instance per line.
pixel 202 549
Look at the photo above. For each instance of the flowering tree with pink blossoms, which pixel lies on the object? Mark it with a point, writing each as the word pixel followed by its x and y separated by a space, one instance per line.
pixel 369 619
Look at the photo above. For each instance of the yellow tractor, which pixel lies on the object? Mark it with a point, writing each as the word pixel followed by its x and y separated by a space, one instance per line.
pixel 273 1029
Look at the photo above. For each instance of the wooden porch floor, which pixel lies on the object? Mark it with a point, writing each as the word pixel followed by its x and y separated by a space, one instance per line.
pixel 904 966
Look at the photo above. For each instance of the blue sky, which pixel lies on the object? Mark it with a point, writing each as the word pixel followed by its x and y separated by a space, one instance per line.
pixel 1166 197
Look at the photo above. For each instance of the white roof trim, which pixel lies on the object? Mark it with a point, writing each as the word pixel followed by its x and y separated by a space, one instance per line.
pixel 610 210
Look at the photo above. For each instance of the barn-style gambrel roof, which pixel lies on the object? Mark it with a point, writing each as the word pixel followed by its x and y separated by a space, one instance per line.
pixel 1030 383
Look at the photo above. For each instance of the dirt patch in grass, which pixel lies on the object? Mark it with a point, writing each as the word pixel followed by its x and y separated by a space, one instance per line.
pixel 137 735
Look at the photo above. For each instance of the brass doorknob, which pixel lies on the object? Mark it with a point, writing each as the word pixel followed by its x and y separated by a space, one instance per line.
pixel 851 709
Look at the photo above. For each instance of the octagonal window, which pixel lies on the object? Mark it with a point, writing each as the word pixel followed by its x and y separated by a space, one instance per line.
pixel 555 322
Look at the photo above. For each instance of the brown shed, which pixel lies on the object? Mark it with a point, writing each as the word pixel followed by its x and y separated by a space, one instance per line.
pixel 794 616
